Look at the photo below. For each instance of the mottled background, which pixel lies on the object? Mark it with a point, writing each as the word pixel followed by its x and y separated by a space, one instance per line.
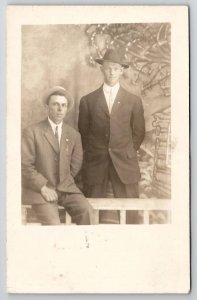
pixel 54 55
pixel 58 55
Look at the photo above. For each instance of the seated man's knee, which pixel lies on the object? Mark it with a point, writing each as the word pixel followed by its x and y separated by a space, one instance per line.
pixel 85 205
pixel 84 212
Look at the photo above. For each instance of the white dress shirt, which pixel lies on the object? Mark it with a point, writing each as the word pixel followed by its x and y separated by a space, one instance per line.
pixel 110 93
pixel 59 126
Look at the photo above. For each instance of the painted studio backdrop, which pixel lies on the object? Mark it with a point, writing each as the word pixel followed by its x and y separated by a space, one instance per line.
pixel 64 55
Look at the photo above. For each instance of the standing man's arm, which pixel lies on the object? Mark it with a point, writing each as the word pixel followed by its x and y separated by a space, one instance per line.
pixel 83 122
pixel 32 179
pixel 138 124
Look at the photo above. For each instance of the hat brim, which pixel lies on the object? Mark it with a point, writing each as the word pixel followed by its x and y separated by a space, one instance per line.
pixel 63 92
pixel 100 61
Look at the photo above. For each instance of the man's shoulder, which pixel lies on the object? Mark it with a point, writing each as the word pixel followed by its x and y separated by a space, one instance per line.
pixel 130 96
pixel 35 126
pixel 72 131
pixel 92 94
pixel 129 93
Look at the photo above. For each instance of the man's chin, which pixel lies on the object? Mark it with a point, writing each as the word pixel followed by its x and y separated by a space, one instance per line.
pixel 112 82
pixel 58 120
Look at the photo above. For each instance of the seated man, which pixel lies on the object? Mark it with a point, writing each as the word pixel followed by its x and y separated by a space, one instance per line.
pixel 51 158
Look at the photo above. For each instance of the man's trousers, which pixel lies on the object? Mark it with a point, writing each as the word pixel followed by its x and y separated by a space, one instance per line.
pixel 119 190
pixel 75 204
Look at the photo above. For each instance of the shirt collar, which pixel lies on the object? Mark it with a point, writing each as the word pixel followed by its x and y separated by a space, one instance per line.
pixel 53 125
pixel 107 88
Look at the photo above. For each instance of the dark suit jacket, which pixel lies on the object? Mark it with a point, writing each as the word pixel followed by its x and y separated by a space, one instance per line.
pixel 117 135
pixel 43 162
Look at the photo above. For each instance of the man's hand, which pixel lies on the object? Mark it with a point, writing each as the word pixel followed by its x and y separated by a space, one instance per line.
pixel 49 194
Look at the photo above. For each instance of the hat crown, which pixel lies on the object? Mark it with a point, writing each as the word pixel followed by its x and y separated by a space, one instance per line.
pixel 112 55
pixel 57 90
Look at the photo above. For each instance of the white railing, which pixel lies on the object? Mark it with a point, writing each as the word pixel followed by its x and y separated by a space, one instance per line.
pixel 145 205
pixel 122 205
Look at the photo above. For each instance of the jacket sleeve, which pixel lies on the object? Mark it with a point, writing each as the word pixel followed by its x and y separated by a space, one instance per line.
pixel 31 178
pixel 76 157
pixel 83 122
pixel 138 124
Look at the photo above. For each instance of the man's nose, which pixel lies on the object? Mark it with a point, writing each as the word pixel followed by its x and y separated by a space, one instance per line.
pixel 60 107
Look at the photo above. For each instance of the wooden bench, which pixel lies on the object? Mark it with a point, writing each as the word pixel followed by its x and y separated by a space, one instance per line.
pixel 145 205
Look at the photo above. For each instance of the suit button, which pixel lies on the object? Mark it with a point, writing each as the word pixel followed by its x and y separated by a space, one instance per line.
pixel 106 135
pixel 55 159
pixel 109 149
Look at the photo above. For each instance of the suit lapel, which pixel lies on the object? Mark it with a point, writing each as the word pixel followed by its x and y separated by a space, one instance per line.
pixel 101 101
pixel 64 140
pixel 49 135
pixel 118 100
pixel 102 104
pixel 63 155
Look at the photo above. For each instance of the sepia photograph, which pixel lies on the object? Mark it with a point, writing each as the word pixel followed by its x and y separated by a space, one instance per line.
pixel 97 134
pixel 100 151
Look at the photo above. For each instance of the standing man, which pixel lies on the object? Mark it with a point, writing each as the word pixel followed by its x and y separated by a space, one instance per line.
pixel 51 158
pixel 111 123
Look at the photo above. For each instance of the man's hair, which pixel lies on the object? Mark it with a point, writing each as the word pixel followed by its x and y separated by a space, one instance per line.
pixel 57 93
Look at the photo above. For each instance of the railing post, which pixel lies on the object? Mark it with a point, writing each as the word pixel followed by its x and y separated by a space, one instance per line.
pixel 96 216
pixel 122 217
pixel 146 217
pixel 68 220
pixel 24 215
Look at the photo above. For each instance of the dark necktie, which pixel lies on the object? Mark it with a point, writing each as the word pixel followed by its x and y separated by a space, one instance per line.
pixel 56 134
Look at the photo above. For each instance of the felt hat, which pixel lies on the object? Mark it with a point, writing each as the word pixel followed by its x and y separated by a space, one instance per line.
pixel 58 90
pixel 112 55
